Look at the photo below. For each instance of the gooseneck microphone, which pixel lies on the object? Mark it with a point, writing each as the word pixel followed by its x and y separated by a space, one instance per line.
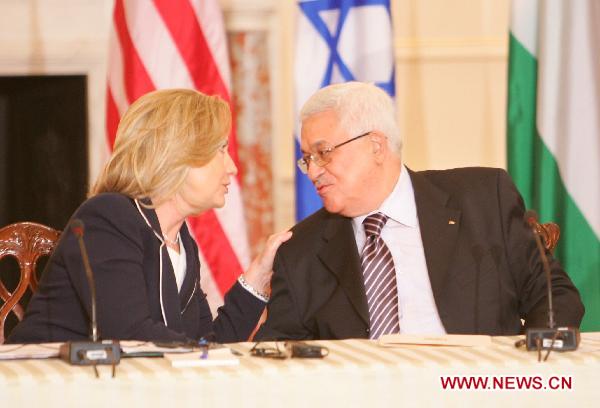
pixel 548 338
pixel 77 230
pixel 531 219
pixel 90 352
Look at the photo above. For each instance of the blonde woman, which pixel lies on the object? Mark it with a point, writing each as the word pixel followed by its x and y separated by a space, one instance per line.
pixel 170 161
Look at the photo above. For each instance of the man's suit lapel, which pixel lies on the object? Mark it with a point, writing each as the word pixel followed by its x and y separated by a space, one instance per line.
pixel 340 256
pixel 439 226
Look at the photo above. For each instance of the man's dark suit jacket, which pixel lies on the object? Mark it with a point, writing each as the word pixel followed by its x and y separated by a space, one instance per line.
pixel 125 254
pixel 484 268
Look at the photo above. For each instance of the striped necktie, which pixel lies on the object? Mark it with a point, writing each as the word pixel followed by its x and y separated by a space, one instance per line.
pixel 380 279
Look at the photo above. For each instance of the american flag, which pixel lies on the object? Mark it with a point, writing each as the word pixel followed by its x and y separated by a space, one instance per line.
pixel 181 44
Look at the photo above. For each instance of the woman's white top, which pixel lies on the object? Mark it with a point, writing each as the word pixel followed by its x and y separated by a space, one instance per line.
pixel 179 263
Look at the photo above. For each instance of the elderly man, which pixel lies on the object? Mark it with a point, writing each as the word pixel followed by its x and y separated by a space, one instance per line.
pixel 398 251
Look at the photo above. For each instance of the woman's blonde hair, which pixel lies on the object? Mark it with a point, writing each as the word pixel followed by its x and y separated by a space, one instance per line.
pixel 159 138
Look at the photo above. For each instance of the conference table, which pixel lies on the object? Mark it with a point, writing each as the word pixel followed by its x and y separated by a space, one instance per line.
pixel 354 373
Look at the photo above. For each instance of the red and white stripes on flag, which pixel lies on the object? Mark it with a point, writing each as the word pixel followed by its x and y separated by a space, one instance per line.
pixel 157 44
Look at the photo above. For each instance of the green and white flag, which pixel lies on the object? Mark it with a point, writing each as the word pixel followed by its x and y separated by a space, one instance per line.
pixel 554 130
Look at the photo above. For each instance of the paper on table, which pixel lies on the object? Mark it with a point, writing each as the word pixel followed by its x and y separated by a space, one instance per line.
pixel 216 357
pixel 464 340
pixel 133 347
pixel 23 351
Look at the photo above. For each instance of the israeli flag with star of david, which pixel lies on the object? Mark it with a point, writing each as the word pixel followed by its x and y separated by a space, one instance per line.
pixel 338 41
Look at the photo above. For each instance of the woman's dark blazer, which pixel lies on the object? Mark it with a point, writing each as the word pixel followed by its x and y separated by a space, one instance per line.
pixel 137 295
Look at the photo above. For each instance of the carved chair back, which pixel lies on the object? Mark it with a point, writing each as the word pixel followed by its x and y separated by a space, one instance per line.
pixel 550 233
pixel 26 242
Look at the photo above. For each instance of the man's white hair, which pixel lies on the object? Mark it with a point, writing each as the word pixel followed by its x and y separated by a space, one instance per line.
pixel 361 107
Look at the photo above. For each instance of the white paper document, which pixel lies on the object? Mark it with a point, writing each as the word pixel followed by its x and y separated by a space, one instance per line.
pixel 214 357
pixel 22 351
pixel 461 340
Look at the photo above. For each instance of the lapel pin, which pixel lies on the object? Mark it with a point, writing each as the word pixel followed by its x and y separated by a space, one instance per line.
pixel 451 222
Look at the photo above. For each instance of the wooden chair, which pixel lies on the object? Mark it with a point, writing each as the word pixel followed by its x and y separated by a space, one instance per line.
pixel 550 233
pixel 25 241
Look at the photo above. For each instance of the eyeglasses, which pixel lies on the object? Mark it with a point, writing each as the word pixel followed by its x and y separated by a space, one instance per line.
pixel 264 350
pixel 322 154
pixel 293 348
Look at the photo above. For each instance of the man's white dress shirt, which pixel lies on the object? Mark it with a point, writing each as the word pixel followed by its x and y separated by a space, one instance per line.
pixel 416 306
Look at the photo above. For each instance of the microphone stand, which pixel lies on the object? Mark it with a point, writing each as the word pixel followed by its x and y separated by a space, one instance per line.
pixel 548 338
pixel 92 352
pixel 546 266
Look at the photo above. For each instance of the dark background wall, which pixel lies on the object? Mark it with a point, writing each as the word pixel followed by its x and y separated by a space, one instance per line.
pixel 43 154
pixel 43 148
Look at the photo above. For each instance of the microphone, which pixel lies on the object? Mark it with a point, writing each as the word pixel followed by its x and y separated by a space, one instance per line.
pixel 531 219
pixel 94 352
pixel 77 230
pixel 550 338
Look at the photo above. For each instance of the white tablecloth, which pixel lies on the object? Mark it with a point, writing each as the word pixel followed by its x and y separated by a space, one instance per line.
pixel 355 373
